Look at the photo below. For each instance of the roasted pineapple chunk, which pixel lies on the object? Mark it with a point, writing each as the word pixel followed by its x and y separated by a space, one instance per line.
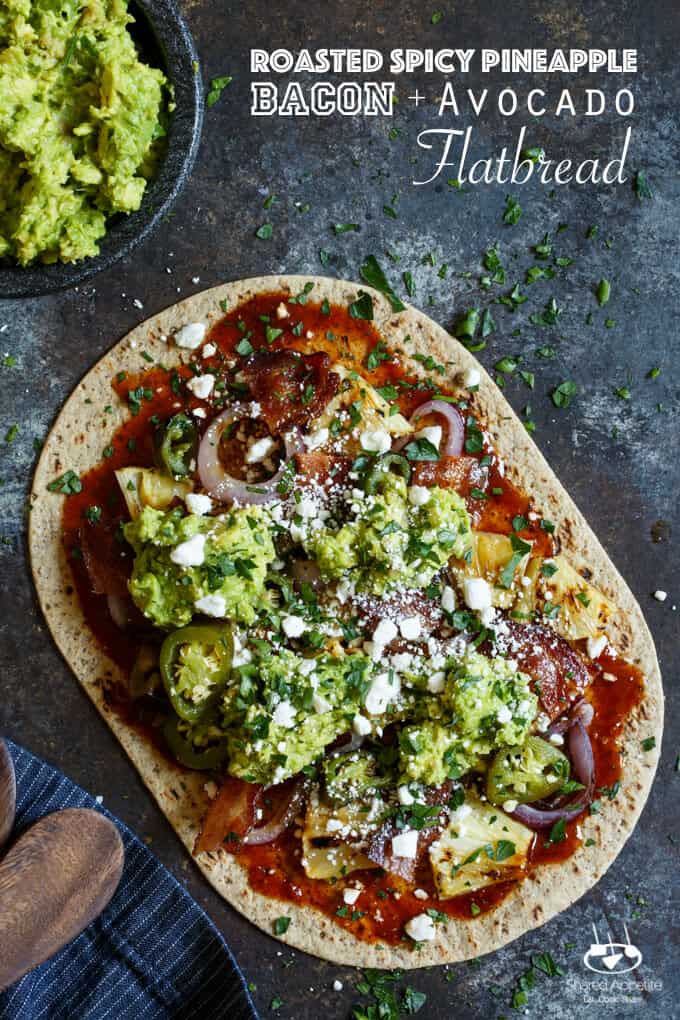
pixel 575 608
pixel 323 853
pixel 364 399
pixel 496 559
pixel 480 846
pixel 149 487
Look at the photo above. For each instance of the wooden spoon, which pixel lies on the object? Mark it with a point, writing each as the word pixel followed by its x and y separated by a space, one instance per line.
pixel 58 876
pixel 8 793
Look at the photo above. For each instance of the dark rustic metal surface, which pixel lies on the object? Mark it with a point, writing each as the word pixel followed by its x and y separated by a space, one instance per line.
pixel 619 458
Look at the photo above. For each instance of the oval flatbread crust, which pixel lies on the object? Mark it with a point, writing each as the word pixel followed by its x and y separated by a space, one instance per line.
pixel 76 441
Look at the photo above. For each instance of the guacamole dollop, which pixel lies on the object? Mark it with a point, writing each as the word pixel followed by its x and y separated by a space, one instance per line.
pixel 390 541
pixel 484 704
pixel 292 708
pixel 170 585
pixel 81 119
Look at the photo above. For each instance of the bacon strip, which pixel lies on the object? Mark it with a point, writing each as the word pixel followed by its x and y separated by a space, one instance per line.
pixel 291 388
pixel 230 817
pixel 459 473
pixel 107 560
pixel 380 846
pixel 559 675
pixel 322 468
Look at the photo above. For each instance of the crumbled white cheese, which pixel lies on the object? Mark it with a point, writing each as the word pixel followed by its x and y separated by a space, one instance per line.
pixel 293 626
pixel 337 986
pixel 284 715
pixel 410 628
pixel 198 412
pixel 557 739
pixel 420 894
pixel 504 715
pixel 448 599
pixel 201 385
pixel 433 434
pixel 436 682
pixel 191 336
pixel 211 605
pixel 190 553
pixel 660 596
pixel 418 495
pixel 361 725
pixel 316 439
pixel 350 896
pixel 420 928
pixel 376 440
pixel 477 593
pixel 260 450
pixel 405 844
pixel 596 646
pixel 385 632
pixel 319 704
pixel 405 796
pixel 281 311
pixel 382 691
pixel 472 378
pixel 197 503
pixel 509 806
pixel 487 616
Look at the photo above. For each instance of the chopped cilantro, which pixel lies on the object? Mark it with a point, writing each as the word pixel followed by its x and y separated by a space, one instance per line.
pixel 217 87
pixel 372 274
pixel 513 211
pixel 563 394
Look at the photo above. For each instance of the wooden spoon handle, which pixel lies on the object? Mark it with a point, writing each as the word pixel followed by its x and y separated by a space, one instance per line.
pixel 58 876
pixel 8 793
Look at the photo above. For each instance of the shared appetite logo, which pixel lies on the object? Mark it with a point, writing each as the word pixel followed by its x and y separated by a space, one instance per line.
pixel 611 982
pixel 551 85
pixel 612 957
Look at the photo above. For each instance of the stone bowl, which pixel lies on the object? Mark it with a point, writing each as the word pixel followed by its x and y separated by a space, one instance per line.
pixel 164 41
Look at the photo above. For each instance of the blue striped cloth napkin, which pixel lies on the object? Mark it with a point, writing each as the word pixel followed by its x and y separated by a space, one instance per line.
pixel 152 954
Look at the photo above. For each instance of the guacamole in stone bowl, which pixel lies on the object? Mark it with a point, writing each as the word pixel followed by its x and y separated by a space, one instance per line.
pixel 86 119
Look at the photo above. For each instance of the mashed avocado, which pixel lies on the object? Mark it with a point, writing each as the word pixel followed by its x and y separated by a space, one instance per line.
pixel 294 708
pixel 485 704
pixel 80 121
pixel 218 562
pixel 389 542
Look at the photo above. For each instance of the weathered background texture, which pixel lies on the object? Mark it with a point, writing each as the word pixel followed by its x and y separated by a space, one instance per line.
pixel 620 458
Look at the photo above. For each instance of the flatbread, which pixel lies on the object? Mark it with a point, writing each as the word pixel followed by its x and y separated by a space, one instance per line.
pixel 76 441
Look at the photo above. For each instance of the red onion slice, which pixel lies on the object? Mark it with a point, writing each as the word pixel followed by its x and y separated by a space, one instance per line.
pixel 222 486
pixel 583 768
pixel 581 711
pixel 455 426
pixel 288 804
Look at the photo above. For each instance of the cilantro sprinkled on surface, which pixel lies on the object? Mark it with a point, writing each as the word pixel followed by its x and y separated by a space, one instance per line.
pixel 67 484
pixel 641 185
pixel 372 274
pixel 513 211
pixel 217 87
pixel 563 394
pixel 264 232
